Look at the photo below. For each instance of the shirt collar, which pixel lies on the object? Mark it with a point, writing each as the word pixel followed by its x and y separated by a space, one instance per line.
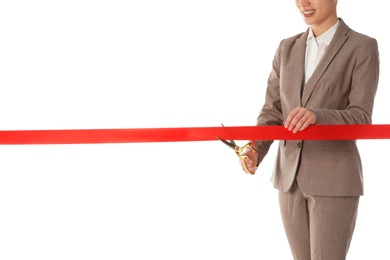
pixel 326 37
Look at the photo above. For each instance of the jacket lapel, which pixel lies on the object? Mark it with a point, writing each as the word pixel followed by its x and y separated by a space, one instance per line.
pixel 299 67
pixel 337 42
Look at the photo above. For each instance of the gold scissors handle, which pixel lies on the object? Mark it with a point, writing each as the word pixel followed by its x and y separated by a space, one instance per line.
pixel 240 150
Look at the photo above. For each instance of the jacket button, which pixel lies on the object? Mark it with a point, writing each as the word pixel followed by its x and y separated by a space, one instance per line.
pixel 299 145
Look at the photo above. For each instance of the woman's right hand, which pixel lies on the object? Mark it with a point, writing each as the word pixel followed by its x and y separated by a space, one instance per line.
pixel 251 161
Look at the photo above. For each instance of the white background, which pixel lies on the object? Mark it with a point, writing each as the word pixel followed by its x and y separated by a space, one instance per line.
pixel 126 64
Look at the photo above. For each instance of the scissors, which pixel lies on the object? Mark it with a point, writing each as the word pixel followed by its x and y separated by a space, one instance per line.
pixel 239 150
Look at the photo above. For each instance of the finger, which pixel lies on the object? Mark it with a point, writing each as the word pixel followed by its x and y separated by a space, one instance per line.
pixel 305 124
pixel 248 162
pixel 249 169
pixel 253 144
pixel 290 117
pixel 302 124
pixel 294 116
pixel 247 165
pixel 252 170
pixel 297 121
pixel 308 119
pixel 301 120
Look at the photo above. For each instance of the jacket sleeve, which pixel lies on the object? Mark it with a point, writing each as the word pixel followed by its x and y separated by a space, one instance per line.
pixel 364 83
pixel 271 112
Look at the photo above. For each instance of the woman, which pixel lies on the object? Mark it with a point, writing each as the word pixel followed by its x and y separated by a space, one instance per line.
pixel 326 75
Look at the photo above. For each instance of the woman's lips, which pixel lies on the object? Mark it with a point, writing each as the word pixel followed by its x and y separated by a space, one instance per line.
pixel 308 13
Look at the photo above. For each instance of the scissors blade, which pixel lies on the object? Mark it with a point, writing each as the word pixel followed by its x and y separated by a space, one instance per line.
pixel 231 145
pixel 231 141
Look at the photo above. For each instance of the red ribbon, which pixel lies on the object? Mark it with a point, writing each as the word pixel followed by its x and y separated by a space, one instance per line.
pixel 181 134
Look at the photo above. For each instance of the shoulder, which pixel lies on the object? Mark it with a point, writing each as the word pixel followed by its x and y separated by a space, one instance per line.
pixel 354 37
pixel 360 38
pixel 289 41
pixel 363 44
pixel 290 45
pixel 362 47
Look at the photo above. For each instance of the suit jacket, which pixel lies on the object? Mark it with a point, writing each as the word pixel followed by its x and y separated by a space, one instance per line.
pixel 340 91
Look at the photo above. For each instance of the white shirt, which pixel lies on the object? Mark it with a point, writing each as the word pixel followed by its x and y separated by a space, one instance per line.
pixel 315 49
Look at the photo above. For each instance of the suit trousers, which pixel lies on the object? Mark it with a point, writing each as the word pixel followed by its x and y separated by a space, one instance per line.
pixel 318 228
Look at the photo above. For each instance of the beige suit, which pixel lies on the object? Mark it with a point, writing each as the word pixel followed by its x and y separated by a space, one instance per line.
pixel 340 91
pixel 313 174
